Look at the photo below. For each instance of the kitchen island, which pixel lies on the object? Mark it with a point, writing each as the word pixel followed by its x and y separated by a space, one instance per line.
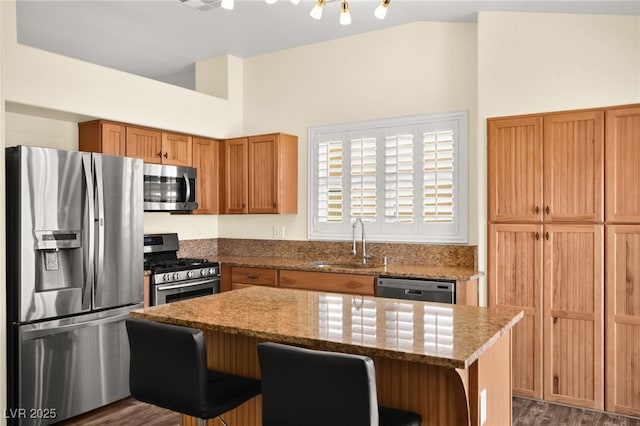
pixel 444 361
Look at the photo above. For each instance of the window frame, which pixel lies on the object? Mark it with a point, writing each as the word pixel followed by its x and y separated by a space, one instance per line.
pixel 456 232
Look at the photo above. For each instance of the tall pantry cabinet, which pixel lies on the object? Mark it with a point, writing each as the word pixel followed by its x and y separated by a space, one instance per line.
pixel 623 260
pixel 546 250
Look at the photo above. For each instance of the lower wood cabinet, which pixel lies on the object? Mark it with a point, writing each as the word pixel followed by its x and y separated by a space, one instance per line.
pixel 623 319
pixel 243 277
pixel 328 281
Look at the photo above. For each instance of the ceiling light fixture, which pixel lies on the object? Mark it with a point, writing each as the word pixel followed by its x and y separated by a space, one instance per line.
pixel 227 4
pixel 345 16
pixel 316 12
pixel 381 11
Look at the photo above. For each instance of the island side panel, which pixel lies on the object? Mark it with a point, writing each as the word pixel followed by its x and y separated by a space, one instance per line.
pixel 437 393
pixel 492 372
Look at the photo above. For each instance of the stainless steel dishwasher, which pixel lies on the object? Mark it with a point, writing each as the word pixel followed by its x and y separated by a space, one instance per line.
pixel 417 289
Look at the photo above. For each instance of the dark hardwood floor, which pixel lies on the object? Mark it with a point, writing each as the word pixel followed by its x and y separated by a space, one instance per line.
pixel 526 412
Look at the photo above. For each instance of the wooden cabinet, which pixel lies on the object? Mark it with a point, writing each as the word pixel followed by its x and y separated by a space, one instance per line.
pixel 328 281
pixel 574 167
pixel 515 280
pixel 515 153
pixel 205 160
pixel 573 314
pixel 102 136
pixel 546 168
pixel 546 249
pixel 244 277
pixel 623 161
pixel 261 174
pixel 145 144
pixel 623 319
pixel 236 174
pixel 154 146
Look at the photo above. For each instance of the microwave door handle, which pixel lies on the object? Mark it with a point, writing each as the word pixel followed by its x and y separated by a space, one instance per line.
pixel 100 225
pixel 90 277
pixel 188 184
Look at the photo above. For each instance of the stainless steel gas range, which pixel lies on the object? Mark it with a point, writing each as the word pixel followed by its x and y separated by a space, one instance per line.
pixel 174 278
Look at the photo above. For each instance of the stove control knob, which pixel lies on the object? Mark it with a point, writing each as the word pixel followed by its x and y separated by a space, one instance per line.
pixel 190 274
pixel 212 271
pixel 176 275
pixel 203 272
pixel 165 277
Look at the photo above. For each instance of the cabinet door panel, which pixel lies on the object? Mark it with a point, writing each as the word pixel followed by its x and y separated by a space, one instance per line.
pixel 515 280
pixel 176 149
pixel 145 144
pixel 328 281
pixel 574 167
pixel 515 169
pixel 113 139
pixel 573 315
pixel 235 174
pixel 205 160
pixel 623 160
pixel 263 174
pixel 623 319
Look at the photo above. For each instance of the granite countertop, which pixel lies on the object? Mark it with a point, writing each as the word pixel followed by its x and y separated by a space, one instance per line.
pixel 398 270
pixel 446 335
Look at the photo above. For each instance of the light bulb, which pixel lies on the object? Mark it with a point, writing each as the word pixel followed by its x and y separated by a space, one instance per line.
pixel 227 4
pixel 316 12
pixel 345 16
pixel 381 11
pixel 270 1
pixel 295 2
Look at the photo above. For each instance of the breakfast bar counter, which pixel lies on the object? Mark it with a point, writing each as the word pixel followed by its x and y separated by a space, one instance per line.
pixel 450 363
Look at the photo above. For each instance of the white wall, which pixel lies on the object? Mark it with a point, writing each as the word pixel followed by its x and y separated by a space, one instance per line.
pixel 410 69
pixel 529 63
pixel 3 269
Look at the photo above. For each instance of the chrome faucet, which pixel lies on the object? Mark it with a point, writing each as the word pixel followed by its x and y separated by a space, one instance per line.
pixel 354 251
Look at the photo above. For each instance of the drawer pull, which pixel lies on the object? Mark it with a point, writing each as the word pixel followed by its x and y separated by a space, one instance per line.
pixel 252 276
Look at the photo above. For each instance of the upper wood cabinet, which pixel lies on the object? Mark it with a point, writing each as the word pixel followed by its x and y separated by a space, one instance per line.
pixel 261 174
pixel 623 165
pixel 236 170
pixel 158 147
pixel 515 169
pixel 103 137
pixel 546 168
pixel 145 144
pixel 206 160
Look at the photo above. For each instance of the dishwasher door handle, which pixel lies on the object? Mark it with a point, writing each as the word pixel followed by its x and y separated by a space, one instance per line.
pixel 411 292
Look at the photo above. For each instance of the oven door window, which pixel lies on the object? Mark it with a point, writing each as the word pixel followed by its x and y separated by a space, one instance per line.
pixel 188 295
pixel 182 291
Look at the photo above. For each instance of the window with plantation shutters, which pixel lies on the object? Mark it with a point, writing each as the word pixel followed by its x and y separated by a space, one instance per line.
pixel 406 178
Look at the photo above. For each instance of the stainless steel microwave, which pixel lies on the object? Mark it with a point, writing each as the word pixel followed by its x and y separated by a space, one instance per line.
pixel 169 188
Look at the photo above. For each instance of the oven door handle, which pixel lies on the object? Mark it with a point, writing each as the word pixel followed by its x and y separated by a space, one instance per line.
pixel 188 284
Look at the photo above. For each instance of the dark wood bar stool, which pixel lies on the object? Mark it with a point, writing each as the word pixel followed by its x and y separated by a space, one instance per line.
pixel 169 369
pixel 317 388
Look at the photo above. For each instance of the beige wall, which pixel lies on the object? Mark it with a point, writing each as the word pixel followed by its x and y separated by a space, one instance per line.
pixel 3 269
pixel 529 63
pixel 411 69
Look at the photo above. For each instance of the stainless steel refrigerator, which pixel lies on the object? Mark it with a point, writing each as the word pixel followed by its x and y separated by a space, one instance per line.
pixel 74 271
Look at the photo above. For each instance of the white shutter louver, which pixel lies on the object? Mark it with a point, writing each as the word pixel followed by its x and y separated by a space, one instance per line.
pixel 398 179
pixel 438 188
pixel 363 178
pixel 330 171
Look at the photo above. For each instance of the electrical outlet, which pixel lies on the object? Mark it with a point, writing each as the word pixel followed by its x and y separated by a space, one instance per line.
pixel 278 232
pixel 483 406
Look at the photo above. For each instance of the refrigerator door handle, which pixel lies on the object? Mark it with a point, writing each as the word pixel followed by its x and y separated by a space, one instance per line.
pixel 99 277
pixel 57 329
pixel 87 293
pixel 188 184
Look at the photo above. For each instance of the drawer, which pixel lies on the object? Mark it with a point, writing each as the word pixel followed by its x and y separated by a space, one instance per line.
pixel 255 276
pixel 328 281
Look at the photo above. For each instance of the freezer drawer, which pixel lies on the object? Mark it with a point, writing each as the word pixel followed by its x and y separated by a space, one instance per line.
pixel 72 366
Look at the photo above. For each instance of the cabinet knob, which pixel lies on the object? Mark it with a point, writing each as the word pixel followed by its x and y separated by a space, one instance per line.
pixel 275 204
pixel 546 235
pixel 166 155
pixel 537 236
pixel 548 210
pixel 159 154
pixel 244 205
pixel 537 210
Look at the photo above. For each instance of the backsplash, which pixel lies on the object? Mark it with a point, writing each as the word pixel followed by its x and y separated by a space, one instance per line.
pixel 396 253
